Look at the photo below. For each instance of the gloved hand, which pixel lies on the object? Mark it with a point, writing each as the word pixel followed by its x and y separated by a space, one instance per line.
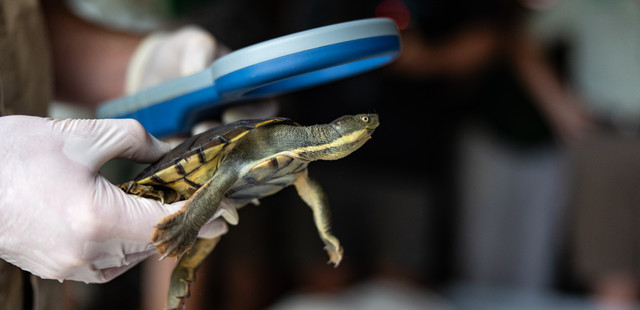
pixel 164 56
pixel 59 218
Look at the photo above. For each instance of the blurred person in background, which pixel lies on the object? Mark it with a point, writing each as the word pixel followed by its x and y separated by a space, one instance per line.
pixel 595 108
pixel 509 173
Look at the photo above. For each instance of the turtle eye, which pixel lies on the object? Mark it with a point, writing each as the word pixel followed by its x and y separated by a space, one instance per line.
pixel 364 118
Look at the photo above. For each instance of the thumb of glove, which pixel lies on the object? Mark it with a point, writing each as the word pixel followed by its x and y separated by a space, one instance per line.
pixel 94 142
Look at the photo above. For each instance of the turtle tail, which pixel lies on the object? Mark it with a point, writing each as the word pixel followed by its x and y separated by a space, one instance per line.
pixel 185 272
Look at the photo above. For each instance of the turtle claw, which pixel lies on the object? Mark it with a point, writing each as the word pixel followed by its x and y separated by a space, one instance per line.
pixel 166 254
pixel 335 255
pixel 334 249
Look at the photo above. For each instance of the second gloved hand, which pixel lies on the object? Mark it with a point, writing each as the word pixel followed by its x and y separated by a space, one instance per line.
pixel 164 56
pixel 59 218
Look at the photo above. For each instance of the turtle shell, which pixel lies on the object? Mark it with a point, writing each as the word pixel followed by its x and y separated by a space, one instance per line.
pixel 192 163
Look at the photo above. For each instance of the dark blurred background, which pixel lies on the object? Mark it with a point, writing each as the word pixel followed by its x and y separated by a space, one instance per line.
pixel 458 202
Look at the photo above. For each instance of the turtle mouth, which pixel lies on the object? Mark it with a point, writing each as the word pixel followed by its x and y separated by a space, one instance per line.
pixel 374 123
pixel 370 131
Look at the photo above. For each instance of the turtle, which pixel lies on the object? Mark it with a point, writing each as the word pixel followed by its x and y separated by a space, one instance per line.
pixel 241 162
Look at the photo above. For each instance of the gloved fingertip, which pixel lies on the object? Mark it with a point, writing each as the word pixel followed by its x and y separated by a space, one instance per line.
pixel 203 126
pixel 138 64
pixel 162 146
pixel 138 144
pixel 196 56
pixel 215 228
pixel 175 207
pixel 259 109
pixel 111 273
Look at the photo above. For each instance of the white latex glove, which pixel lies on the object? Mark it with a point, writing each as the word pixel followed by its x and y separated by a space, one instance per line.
pixel 163 56
pixel 59 218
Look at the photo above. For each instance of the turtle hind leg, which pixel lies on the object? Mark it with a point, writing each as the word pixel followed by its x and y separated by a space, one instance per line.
pixel 185 272
pixel 164 195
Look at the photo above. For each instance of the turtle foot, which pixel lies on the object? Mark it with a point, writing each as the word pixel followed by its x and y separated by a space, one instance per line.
pixel 172 237
pixel 334 249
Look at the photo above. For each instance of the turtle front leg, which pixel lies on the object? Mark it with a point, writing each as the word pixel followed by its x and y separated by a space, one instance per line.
pixel 176 233
pixel 185 272
pixel 312 194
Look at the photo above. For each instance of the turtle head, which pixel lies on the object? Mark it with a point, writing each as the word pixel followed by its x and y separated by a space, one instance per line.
pixel 352 132
pixel 362 125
